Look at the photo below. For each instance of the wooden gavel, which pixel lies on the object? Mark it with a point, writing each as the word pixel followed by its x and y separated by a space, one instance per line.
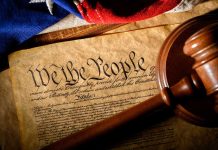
pixel 203 47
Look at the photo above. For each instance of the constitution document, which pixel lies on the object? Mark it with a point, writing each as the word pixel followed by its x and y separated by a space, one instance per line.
pixel 61 88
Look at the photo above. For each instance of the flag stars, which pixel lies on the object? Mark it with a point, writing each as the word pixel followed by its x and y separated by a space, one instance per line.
pixel 49 4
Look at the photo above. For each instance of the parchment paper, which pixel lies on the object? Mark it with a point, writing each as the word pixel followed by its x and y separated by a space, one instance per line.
pixel 173 133
pixel 9 131
pixel 64 87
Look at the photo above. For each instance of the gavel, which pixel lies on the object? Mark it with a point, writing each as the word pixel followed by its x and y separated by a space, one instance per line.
pixel 202 46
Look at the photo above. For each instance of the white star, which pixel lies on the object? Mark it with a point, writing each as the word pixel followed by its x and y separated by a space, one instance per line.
pixel 49 4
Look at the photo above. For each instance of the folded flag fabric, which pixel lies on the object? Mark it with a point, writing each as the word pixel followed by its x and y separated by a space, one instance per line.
pixel 21 19
pixel 69 6
pixel 122 11
pixel 185 5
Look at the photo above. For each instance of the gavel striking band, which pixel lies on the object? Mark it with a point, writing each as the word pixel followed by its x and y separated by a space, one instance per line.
pixel 203 47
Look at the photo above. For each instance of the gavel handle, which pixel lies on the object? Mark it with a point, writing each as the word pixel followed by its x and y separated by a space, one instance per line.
pixel 184 87
pixel 107 125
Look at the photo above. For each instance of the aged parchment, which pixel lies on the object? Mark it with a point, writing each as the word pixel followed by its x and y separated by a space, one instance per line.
pixel 61 88
pixel 9 128
pixel 64 87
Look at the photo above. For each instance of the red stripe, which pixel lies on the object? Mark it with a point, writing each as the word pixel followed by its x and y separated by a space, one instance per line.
pixel 102 13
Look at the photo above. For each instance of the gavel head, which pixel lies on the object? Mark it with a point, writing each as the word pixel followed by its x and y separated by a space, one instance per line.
pixel 203 47
pixel 197 38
